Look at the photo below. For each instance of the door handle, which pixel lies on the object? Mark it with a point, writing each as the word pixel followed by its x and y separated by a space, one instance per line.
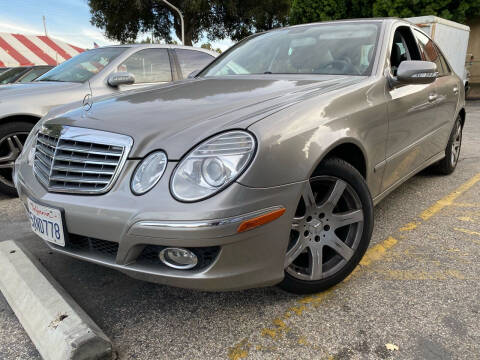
pixel 432 97
pixel 455 90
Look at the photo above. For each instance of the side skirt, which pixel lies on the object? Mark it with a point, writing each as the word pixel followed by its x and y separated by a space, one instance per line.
pixel 426 164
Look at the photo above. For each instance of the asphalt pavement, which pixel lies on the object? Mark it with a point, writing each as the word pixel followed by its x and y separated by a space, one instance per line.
pixel 414 296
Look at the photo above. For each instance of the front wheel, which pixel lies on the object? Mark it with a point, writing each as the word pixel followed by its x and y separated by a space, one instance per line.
pixel 331 229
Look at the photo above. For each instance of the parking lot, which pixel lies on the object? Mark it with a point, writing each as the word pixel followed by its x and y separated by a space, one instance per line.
pixel 415 294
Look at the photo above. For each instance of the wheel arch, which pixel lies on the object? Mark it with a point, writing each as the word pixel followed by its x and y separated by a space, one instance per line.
pixel 348 150
pixel 31 118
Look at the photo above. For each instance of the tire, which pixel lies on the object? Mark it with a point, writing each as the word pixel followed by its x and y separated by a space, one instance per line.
pixel 336 188
pixel 12 138
pixel 447 165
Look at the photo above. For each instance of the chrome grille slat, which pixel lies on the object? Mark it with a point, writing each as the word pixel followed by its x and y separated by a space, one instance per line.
pixel 77 169
pixel 88 151
pixel 46 150
pixel 78 179
pixel 78 160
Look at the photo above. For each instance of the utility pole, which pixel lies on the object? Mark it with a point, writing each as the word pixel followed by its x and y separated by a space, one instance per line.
pixel 181 19
pixel 45 25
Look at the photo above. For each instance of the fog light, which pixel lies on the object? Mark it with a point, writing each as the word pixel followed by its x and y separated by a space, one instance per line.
pixel 178 258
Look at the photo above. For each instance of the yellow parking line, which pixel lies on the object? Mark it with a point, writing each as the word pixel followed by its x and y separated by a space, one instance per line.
pixel 466 231
pixel 373 254
pixel 449 199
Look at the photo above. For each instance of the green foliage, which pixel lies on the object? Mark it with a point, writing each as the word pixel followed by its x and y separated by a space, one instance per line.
pixel 304 11
pixel 208 46
pixel 459 11
pixel 122 20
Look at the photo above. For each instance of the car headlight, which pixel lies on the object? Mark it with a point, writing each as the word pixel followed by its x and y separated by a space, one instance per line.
pixel 148 172
pixel 212 165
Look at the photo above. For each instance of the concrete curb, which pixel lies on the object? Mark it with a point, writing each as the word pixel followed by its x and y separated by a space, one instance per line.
pixel 58 327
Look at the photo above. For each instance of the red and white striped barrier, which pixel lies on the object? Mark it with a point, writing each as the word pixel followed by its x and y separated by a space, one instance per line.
pixel 27 50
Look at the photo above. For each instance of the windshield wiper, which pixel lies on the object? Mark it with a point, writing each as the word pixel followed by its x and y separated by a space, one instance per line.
pixel 51 80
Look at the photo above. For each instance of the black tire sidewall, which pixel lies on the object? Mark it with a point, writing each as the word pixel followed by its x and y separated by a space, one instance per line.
pixel 342 170
pixel 10 128
pixel 445 166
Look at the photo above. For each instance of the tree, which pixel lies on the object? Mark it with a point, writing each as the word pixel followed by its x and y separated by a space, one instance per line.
pixel 307 11
pixel 304 11
pixel 459 11
pixel 245 17
pixel 122 20
pixel 209 46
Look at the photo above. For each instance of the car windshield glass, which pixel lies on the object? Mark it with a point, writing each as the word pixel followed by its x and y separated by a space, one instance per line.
pixel 11 75
pixel 83 66
pixel 342 48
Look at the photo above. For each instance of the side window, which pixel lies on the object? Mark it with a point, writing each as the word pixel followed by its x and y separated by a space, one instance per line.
pixel 191 60
pixel 404 47
pixel 446 68
pixel 148 66
pixel 33 74
pixel 428 51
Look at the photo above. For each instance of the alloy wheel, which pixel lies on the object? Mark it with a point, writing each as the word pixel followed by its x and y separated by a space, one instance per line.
pixel 456 144
pixel 326 230
pixel 10 148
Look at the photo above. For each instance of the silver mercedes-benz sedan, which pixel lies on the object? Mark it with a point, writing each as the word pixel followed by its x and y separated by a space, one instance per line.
pixel 96 72
pixel 262 170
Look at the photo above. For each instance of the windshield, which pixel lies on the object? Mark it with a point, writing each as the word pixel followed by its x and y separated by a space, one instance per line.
pixel 341 48
pixel 11 75
pixel 83 66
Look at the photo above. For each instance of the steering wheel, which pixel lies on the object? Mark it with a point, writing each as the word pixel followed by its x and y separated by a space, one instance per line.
pixel 340 67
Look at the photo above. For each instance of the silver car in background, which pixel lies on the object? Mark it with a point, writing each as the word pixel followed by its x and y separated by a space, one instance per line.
pixel 264 169
pixel 97 72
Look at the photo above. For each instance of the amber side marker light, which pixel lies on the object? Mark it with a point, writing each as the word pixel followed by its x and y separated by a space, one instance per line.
pixel 260 220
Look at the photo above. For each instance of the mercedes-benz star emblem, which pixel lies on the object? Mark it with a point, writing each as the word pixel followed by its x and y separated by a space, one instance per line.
pixel 87 102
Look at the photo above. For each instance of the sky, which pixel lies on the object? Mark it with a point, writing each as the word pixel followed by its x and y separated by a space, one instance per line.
pixel 67 20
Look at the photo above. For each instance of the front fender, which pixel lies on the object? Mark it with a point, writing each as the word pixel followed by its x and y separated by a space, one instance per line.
pixel 293 142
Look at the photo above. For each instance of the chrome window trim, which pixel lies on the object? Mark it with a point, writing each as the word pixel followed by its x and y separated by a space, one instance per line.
pixel 64 132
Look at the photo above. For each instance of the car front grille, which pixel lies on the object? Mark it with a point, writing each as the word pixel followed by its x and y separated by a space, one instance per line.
pixel 78 160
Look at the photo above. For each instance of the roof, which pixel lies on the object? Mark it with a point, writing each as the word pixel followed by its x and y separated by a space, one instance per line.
pixel 165 46
pixel 28 50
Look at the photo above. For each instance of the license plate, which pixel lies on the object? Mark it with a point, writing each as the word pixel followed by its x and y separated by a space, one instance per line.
pixel 46 222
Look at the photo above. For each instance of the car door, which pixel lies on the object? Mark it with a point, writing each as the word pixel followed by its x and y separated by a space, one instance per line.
pixel 191 60
pixel 411 113
pixel 448 89
pixel 149 66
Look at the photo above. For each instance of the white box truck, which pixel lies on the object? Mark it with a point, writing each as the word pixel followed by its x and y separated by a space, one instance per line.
pixel 451 37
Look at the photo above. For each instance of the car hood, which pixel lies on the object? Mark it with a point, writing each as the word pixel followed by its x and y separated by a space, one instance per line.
pixel 35 88
pixel 176 117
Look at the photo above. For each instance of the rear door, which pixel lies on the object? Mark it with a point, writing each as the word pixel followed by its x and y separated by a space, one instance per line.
pixel 447 90
pixel 191 60
pixel 411 113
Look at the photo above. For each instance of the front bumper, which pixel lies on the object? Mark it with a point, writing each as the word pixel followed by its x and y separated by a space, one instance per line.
pixel 132 224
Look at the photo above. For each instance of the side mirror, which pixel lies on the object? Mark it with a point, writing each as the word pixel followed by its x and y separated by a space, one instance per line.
pixel 193 74
pixel 120 78
pixel 416 72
